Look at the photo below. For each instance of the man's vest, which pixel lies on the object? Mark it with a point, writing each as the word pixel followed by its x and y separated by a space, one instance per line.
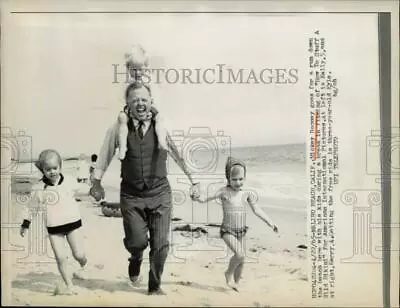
pixel 144 168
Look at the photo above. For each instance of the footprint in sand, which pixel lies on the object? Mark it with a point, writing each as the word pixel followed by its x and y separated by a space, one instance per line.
pixel 292 270
pixel 99 266
pixel 303 277
pixel 258 304
pixel 205 303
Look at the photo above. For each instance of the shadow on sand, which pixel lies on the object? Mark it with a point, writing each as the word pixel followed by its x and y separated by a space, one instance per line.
pixel 198 286
pixel 46 282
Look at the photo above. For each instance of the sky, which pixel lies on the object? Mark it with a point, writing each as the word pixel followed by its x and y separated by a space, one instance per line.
pixel 58 72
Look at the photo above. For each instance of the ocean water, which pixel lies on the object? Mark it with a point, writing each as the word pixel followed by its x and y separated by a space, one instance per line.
pixel 278 169
pixel 287 153
pixel 277 172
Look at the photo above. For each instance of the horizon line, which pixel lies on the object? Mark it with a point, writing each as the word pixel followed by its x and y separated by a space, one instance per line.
pixel 76 157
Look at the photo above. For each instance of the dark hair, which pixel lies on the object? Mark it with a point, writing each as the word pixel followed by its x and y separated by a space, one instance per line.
pixel 232 162
pixel 94 157
pixel 136 85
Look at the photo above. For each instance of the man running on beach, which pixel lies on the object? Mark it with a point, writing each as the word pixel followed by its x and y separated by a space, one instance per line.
pixel 145 194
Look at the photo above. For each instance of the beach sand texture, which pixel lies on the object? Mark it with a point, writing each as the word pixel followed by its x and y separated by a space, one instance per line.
pixel 275 272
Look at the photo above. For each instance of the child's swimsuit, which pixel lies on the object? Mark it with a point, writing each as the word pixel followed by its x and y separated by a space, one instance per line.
pixel 238 233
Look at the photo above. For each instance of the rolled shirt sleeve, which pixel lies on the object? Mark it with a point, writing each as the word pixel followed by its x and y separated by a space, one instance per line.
pixel 107 151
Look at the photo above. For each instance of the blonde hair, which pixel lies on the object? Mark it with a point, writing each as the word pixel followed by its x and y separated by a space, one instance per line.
pixel 137 55
pixel 45 155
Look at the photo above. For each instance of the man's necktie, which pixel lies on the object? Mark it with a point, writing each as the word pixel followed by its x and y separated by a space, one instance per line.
pixel 140 129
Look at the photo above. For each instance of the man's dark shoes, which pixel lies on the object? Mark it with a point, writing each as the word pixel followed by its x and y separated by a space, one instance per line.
pixel 134 273
pixel 136 280
pixel 157 292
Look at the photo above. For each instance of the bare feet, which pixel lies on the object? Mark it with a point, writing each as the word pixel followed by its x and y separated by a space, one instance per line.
pixel 229 282
pixel 237 275
pixel 81 274
pixel 64 290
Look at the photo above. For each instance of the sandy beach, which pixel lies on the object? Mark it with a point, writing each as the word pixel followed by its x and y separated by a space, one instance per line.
pixel 275 272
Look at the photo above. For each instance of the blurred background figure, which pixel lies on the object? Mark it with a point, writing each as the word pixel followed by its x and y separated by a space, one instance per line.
pixel 93 160
pixel 83 170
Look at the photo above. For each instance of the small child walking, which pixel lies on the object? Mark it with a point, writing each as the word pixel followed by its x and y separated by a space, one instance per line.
pixel 233 228
pixel 55 193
